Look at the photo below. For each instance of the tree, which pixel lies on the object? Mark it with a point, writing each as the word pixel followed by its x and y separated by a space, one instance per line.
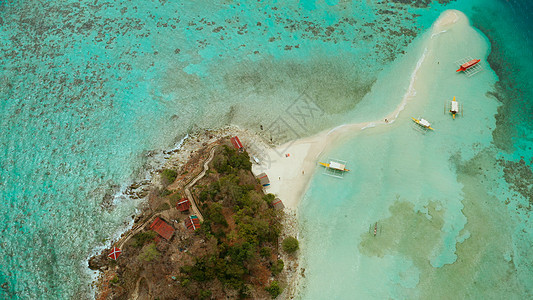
pixel 149 253
pixel 277 267
pixel 274 289
pixel 290 245
pixel 169 176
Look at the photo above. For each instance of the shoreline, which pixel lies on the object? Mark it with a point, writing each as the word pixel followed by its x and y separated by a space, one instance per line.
pixel 290 176
pixel 290 166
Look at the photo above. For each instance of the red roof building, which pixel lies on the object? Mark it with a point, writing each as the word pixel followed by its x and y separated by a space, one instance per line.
pixel 183 205
pixel 115 253
pixel 192 222
pixel 162 228
pixel 237 143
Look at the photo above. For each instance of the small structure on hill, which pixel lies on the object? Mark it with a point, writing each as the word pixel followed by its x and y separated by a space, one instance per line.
pixel 183 205
pixel 115 253
pixel 263 178
pixel 162 228
pixel 237 143
pixel 192 222
pixel 278 205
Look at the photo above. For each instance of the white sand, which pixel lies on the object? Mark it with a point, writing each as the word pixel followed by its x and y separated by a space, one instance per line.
pixel 290 176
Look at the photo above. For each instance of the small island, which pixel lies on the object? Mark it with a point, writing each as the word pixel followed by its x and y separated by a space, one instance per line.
pixel 209 231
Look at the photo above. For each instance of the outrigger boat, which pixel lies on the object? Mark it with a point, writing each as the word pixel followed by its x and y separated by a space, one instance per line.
pixel 454 109
pixel 422 122
pixel 467 65
pixel 335 166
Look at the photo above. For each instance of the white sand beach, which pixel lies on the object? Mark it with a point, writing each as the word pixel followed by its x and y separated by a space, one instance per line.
pixel 290 166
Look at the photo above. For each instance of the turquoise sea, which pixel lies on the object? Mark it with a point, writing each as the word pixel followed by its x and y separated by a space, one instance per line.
pixel 91 92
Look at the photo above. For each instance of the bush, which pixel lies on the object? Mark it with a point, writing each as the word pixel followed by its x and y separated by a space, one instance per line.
pixel 149 253
pixel 274 289
pixel 169 176
pixel 163 206
pixel 290 245
pixel 269 198
pixel 164 192
pixel 277 267
pixel 205 294
pixel 174 199
pixel 142 237
pixel 265 252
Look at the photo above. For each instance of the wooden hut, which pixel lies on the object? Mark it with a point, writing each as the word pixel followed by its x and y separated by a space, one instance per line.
pixel 162 228
pixel 263 178
pixel 192 222
pixel 183 205
pixel 237 143
pixel 278 205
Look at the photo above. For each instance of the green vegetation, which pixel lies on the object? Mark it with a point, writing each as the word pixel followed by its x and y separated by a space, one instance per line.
pixel 230 160
pixel 174 199
pixel 205 294
pixel 149 253
pixel 243 224
pixel 274 289
pixel 277 267
pixel 114 281
pixel 164 192
pixel 168 176
pixel 163 206
pixel 265 252
pixel 142 238
pixel 290 245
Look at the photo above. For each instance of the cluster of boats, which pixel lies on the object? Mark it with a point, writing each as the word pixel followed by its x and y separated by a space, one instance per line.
pixel 453 107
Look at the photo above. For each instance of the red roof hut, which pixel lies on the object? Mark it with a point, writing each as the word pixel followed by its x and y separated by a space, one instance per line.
pixel 192 222
pixel 237 143
pixel 115 253
pixel 162 228
pixel 183 205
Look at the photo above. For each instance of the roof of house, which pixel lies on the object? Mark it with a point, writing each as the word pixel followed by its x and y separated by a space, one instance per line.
pixel 192 222
pixel 278 205
pixel 236 142
pixel 183 205
pixel 162 228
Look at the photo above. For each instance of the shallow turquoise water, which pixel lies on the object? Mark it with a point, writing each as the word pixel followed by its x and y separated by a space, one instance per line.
pixel 89 90
pixel 453 215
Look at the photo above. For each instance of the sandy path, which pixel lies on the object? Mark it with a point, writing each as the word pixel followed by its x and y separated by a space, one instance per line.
pixel 193 182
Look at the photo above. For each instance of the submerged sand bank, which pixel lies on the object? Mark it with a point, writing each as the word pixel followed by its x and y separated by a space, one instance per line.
pixel 290 166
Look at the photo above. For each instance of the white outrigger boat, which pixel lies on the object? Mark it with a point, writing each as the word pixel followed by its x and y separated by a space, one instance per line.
pixel 455 107
pixel 335 166
pixel 422 122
